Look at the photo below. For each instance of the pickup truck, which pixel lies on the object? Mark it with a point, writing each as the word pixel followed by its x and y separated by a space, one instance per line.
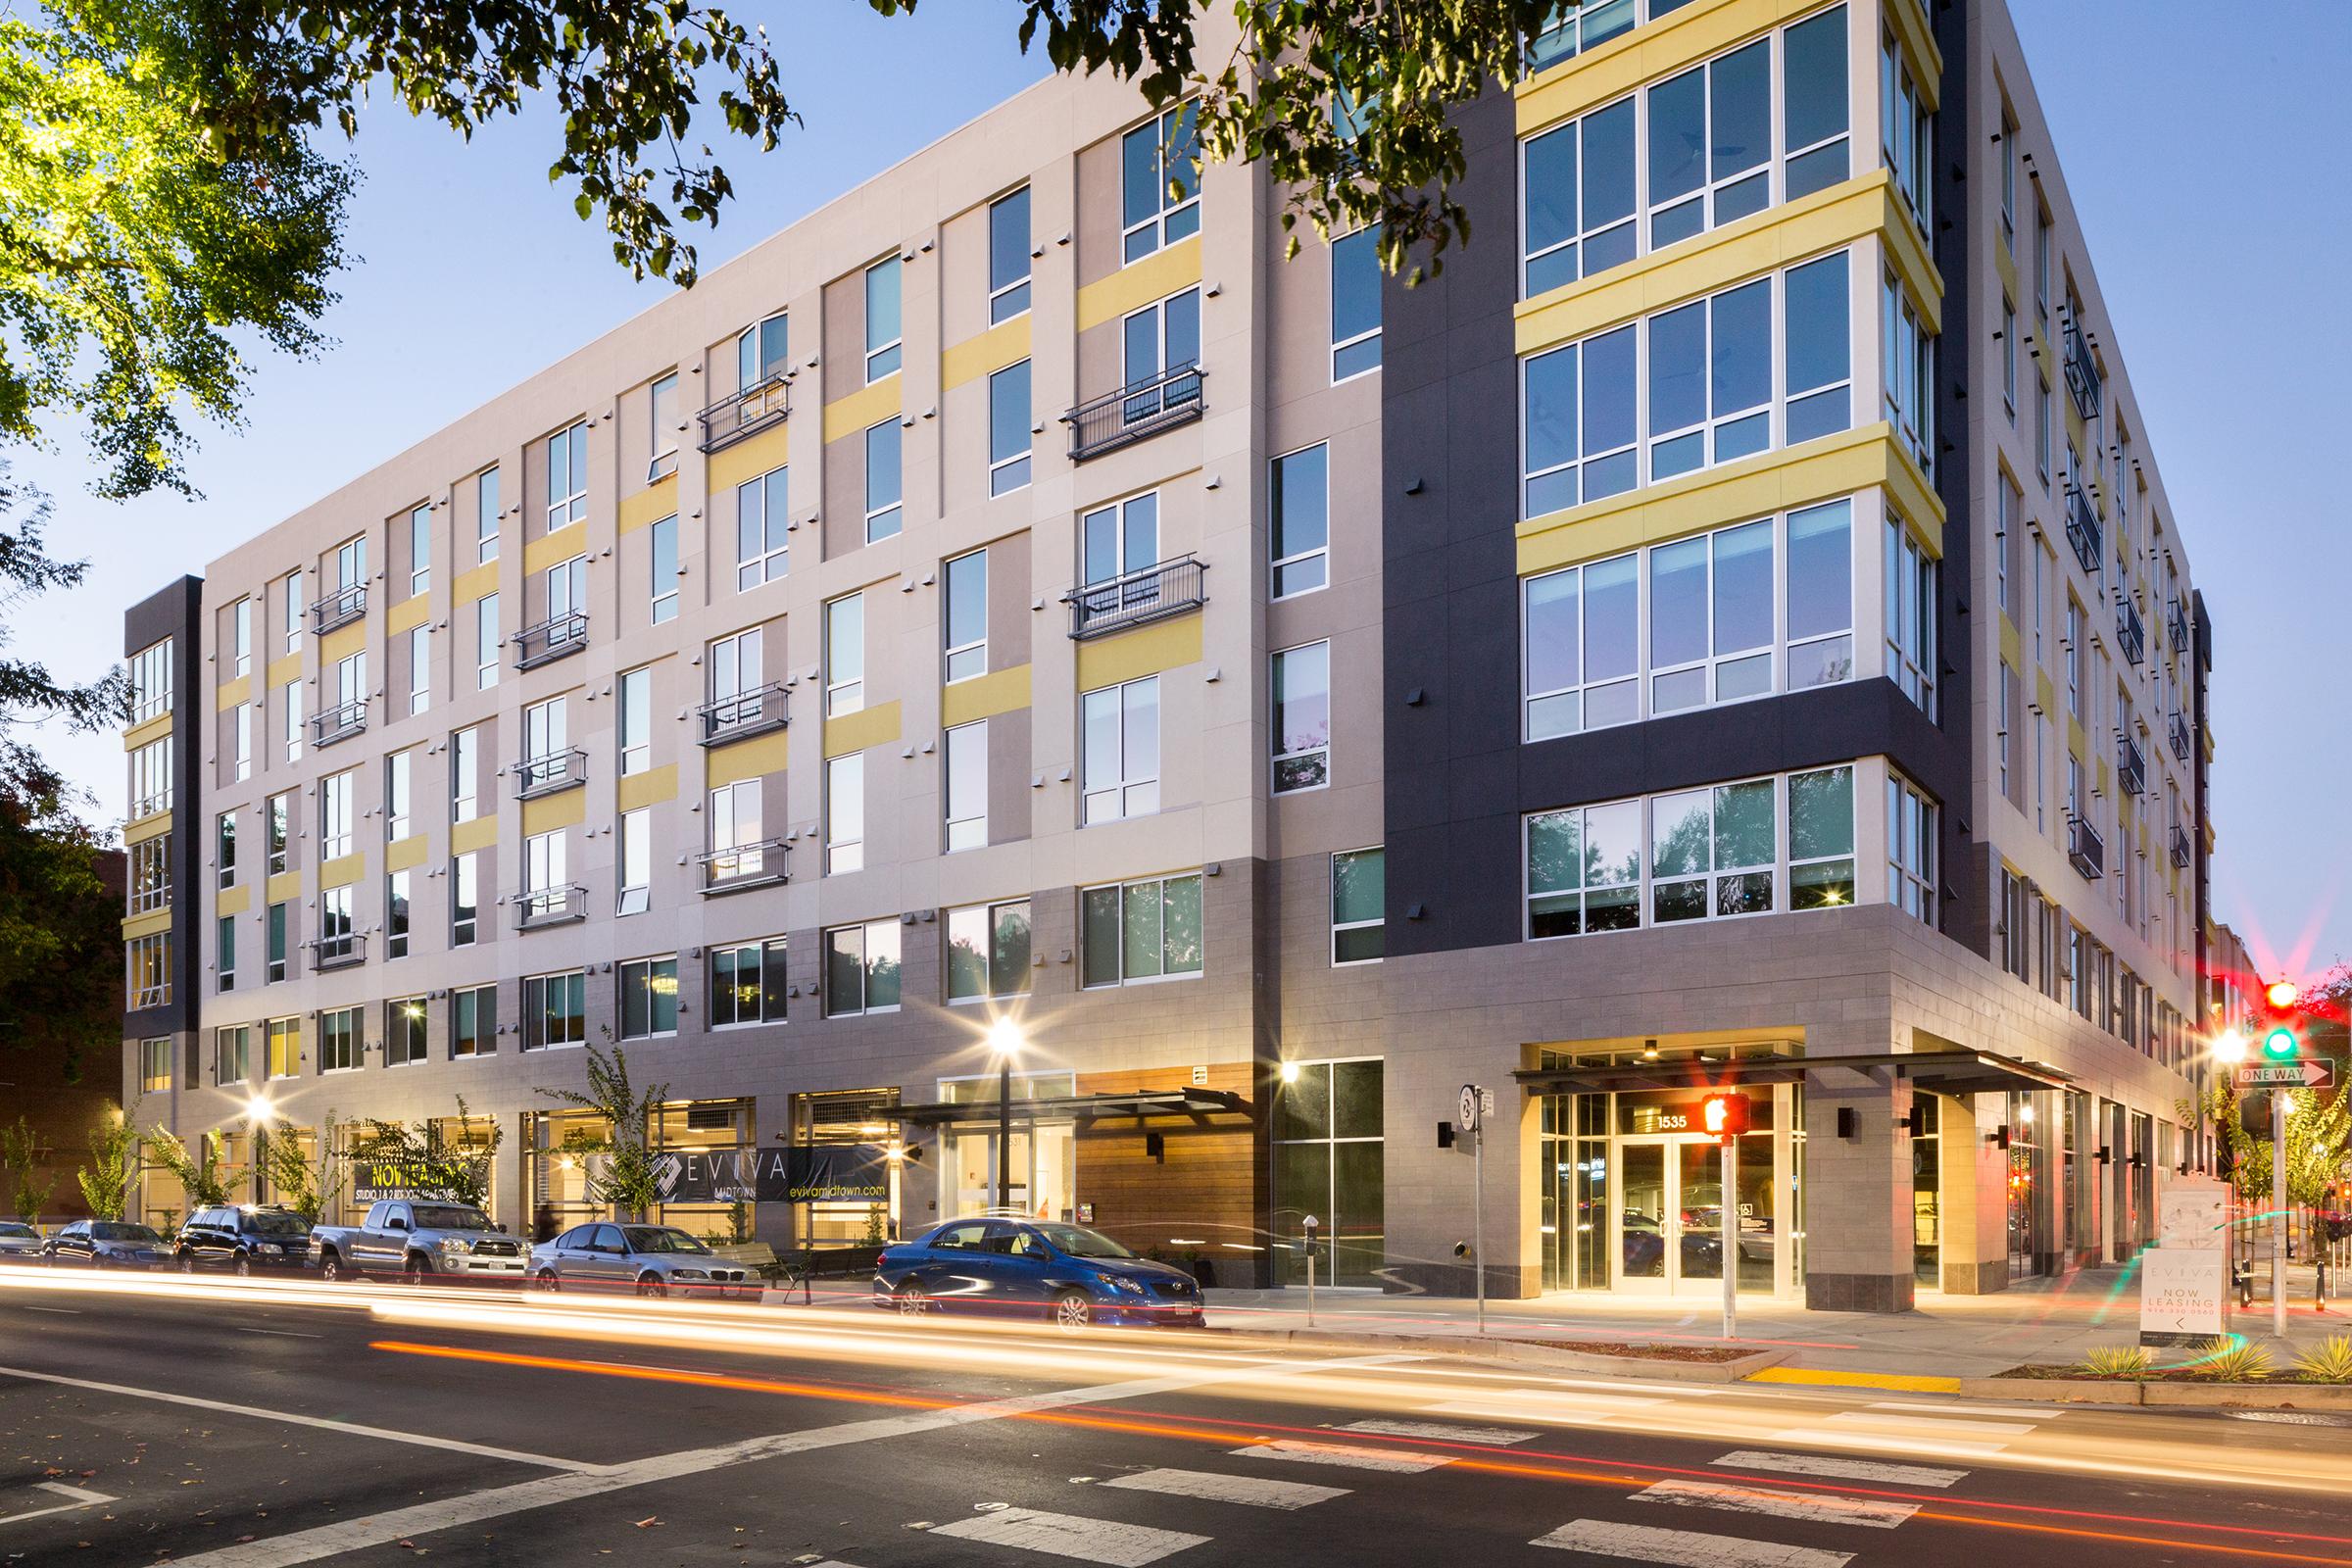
pixel 418 1239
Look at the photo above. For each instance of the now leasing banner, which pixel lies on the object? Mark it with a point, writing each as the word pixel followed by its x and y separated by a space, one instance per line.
pixel 833 1173
pixel 2180 1292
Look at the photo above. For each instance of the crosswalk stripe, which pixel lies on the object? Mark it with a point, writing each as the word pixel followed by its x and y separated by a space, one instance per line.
pixel 1881 1419
pixel 1886 1443
pixel 1396 1460
pixel 1810 1464
pixel 1989 1411
pixel 1439 1432
pixel 1813 1507
pixel 1096 1540
pixel 1686 1548
pixel 1255 1490
pixel 1547 1404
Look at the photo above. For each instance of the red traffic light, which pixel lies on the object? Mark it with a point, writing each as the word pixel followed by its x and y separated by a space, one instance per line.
pixel 2283 995
pixel 2283 1026
pixel 1725 1117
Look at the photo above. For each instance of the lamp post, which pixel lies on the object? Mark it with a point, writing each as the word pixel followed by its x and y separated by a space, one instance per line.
pixel 1005 1040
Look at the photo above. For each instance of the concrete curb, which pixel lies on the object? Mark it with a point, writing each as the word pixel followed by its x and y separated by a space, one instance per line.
pixel 1521 1353
pixel 2164 1396
pixel 1820 1378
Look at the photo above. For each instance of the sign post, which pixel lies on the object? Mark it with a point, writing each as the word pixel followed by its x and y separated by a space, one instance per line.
pixel 1728 1228
pixel 2278 1211
pixel 1472 1108
pixel 1307 1226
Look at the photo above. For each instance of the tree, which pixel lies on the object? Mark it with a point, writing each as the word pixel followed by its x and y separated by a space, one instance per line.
pixel 309 1190
pixel 106 1181
pixel 429 1160
pixel 199 1172
pixel 20 1152
pixel 2319 1136
pixel 621 1166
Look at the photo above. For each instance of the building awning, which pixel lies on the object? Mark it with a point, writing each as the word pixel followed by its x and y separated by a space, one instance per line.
pixel 1947 1072
pixel 1141 1105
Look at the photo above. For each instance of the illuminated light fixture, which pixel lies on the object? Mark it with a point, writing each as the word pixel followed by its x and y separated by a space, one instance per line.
pixel 259 1109
pixel 1004 1037
pixel 1290 1072
pixel 2283 994
pixel 2229 1047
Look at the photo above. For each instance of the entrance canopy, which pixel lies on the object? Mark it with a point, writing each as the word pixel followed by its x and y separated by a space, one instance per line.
pixel 1143 1103
pixel 1947 1072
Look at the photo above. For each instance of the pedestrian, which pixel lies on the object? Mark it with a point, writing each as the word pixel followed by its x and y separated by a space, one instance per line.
pixel 543 1222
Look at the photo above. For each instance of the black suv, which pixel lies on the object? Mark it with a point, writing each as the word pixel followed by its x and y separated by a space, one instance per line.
pixel 243 1237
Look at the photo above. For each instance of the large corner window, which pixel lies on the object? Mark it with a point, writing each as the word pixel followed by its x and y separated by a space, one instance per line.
pixel 1159 190
pixel 862 969
pixel 988 951
pixel 1141 931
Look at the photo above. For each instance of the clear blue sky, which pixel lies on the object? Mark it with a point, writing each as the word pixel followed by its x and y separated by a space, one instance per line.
pixel 2202 159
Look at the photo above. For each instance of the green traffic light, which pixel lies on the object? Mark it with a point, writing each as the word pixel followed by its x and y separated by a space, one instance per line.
pixel 2280 1044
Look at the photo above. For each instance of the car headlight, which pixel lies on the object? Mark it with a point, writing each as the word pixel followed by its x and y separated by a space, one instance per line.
pixel 1121 1283
pixel 689 1274
pixel 453 1243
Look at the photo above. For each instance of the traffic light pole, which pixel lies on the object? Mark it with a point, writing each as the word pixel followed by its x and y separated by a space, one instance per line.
pixel 1729 1229
pixel 2279 1214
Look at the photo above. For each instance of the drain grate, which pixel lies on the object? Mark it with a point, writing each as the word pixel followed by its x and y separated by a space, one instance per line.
pixel 2291 1418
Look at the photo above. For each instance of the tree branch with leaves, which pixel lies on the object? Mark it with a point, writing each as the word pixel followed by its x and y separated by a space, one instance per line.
pixel 307 1185
pixel 197 1171
pixel 621 1168
pixel 20 1152
pixel 430 1159
pixel 108 1180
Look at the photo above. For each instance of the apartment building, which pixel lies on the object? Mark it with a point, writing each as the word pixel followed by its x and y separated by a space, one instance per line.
pixel 1015 632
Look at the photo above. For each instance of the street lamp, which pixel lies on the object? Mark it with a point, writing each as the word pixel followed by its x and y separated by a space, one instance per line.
pixel 2229 1047
pixel 259 1111
pixel 1005 1043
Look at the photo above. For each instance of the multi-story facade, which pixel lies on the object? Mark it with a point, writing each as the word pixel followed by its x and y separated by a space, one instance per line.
pixel 1064 610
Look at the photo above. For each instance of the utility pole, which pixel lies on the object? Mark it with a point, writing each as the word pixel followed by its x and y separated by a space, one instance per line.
pixel 2278 1212
pixel 1729 1229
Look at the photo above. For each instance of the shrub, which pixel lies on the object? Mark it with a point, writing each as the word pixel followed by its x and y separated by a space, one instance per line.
pixel 2116 1361
pixel 2329 1361
pixel 2230 1358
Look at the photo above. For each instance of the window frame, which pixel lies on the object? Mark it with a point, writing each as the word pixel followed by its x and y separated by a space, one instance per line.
pixel 884 356
pixel 989 914
pixel 536 1000
pixel 1345 346
pixel 967 660
pixel 974 826
pixel 1172 128
pixel 662 570
pixel 1288 757
pixel 891 514
pixel 1279 566
pixel 1126 783
pixel 646 969
pixel 770 494
pixel 1008 298
pixel 465 900
pixel 1340 928
pixel 867 959
pixel 569 505
pixel 406 1016
pixel 769 953
pixel 1125 890
pixel 1009 470
pixel 845 830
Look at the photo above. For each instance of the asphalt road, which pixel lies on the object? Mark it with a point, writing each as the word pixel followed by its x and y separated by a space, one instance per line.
pixel 251 1424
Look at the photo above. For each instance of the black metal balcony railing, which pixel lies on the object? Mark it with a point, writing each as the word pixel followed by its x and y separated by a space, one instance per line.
pixel 1135 411
pixel 751 713
pixel 747 413
pixel 744 866
pixel 2175 626
pixel 2082 379
pixel 2176 731
pixel 2130 765
pixel 551 774
pixel 339 722
pixel 339 609
pixel 2181 846
pixel 1155 593
pixel 2085 849
pixel 543 907
pixel 338 952
pixel 2083 530
pixel 551 639
pixel 2129 632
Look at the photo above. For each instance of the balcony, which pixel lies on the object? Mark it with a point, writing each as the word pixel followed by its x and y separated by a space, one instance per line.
pixel 1137 409
pixel 2082 379
pixel 2083 530
pixel 2085 849
pixel 1136 599
pixel 2175 626
pixel 751 713
pixel 338 952
pixel 2129 634
pixel 545 907
pixel 552 639
pixel 339 609
pixel 744 866
pixel 2176 731
pixel 339 723
pixel 2130 765
pixel 747 413
pixel 2181 846
pixel 551 774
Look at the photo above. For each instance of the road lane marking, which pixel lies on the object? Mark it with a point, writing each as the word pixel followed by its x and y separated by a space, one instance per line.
pixel 61 1311
pixel 1878 1419
pixel 1441 1431
pixel 286 1334
pixel 1064 1534
pixel 1887 1442
pixel 1396 1461
pixel 75 1498
pixel 1686 1548
pixel 349 1428
pixel 1813 1507
pixel 1547 1404
pixel 1811 1464
pixel 1255 1490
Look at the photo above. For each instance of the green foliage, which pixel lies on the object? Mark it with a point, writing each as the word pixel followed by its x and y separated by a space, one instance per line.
pixel 2116 1361
pixel 2230 1358
pixel 107 1180
pixel 621 1166
pixel 20 1150
pixel 198 1172
pixel 2319 1136
pixel 739 1222
pixel 2329 1361
pixel 876 1225
pixel 434 1161
pixel 309 1188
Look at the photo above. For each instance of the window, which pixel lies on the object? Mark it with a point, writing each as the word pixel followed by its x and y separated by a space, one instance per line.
pixel 421 669
pixel 555 1011
pixel 1713 852
pixel 335 814
pixel 474 1021
pixel 225 848
pixel 351 563
pixel 232 1054
pixel 567 476
pixel 1160 340
pixel 150 879
pixel 636 721
pixel 649 997
pixel 291 610
pixel 403 1031
pixel 154 1065
pixel 339 1040
pixel 2009 359
pixel 283 1043
pixel 1910 596
pixel 966 616
pixel 1008 256
pixel 662 570
pixel 485 642
pixel 1160 192
pixel 1299 521
pixel 397 822
pixel 735 825
pixel 845 656
pixel 1909 374
pixel 845 813
pixel 486 516
pixel 151 778
pixel 1009 418
pixel 2073 657
pixel 662 405
pixel 988 951
pixel 150 969
pixel 567 596
pixel 862 969
pixel 1712 623
pixel 546 744
pixel 966 759
pixel 2010 501
pixel 1910 850
pixel 763 518
pixel 2042 428
pixel 463 765
pixel 1358 906
pixel 396 915
pixel 289 707
pixel 338 933
pixel 1579 198
pixel 881 318
pixel 1907 126
pixel 762 352
pixel 420 549
pixel 747 983
pixel 280 814
pixel 883 488
pixel 1356 302
pixel 241 741
pixel 1141 931
pixel 2008 157
pixel 636 879
pixel 735 670
pixel 1120 538
pixel 463 901
pixel 224 952
pixel 2008 720
pixel 1300 691
pixel 241 637
pixel 151 683
pixel 546 881
pixel 1119 770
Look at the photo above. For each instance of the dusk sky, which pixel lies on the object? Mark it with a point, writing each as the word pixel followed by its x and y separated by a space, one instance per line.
pixel 473 272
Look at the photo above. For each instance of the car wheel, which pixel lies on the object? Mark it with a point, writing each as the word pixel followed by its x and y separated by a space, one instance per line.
pixel 330 1267
pixel 546 1280
pixel 1073 1313
pixel 244 1266
pixel 652 1285
pixel 913 1301
pixel 416 1269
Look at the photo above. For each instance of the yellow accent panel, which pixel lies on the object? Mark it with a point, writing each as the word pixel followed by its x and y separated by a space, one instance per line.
pixel 478 834
pixel 283 672
pixel 650 505
pixel 753 759
pixel 992 350
pixel 1910 23
pixel 2106 779
pixel 1133 654
pixel 556 548
pixel 866 407
pixel 405 854
pixel 154 729
pixel 1899 1382
pixel 1000 691
pixel 233 901
pixel 552 812
pixel 2013 646
pixel 1752 487
pixel 654 785
pixel 855 732
pixel 2045 695
pixel 408 615
pixel 1136 285
pixel 342 871
pixel 2006 265
pixel 283 887
pixel 765 452
pixel 1703 264
pixel 236 693
pixel 2076 741
pixel 147 827
pixel 479 583
pixel 342 643
pixel 152 923
pixel 1646 54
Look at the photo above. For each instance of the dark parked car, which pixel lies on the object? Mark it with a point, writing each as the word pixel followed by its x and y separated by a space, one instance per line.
pixel 1028 1268
pixel 242 1238
pixel 106 1244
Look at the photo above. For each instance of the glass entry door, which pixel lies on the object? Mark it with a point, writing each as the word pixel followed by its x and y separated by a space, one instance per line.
pixel 1669 1216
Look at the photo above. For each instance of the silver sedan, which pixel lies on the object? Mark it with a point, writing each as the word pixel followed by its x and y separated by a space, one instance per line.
pixel 650 1260
pixel 19 1242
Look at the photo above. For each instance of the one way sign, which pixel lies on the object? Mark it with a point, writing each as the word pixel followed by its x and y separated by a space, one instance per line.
pixel 2314 1073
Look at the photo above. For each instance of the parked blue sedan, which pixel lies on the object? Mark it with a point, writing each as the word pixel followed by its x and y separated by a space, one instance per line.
pixel 1014 1268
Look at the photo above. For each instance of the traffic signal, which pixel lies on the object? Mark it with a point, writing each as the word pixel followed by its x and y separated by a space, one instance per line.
pixel 1724 1117
pixel 2282 1029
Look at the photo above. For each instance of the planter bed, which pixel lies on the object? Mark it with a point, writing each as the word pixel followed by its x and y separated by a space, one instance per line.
pixel 2175 1390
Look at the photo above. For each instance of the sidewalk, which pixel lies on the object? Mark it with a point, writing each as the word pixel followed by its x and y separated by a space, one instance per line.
pixel 1946 1338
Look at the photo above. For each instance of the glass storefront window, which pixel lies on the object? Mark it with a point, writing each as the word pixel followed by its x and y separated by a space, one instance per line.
pixel 1926 1192
pixel 1330 1162
pixel 843 1117
pixel 1043 1169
